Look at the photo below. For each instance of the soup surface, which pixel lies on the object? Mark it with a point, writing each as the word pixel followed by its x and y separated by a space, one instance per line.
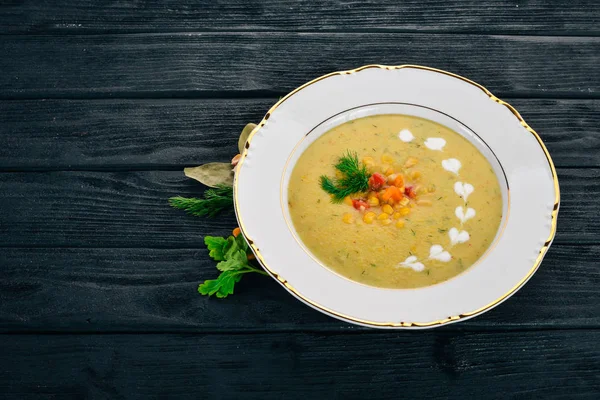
pixel 431 208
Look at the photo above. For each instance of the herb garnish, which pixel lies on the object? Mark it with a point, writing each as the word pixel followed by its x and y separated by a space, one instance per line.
pixel 232 254
pixel 215 201
pixel 355 178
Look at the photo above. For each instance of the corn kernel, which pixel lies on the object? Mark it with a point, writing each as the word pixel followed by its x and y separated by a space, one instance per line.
pixel 387 159
pixel 386 222
pixel 373 201
pixel 415 175
pixel 404 202
pixel 410 162
pixel 348 218
pixel 413 249
pixel 400 224
pixel 383 216
pixel 404 211
pixel 348 200
pixel 431 188
pixel 420 190
pixel 396 215
pixel 389 171
pixel 423 202
pixel 369 217
pixel 387 209
pixel 368 161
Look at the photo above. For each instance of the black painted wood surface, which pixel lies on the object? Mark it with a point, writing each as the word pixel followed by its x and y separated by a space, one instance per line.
pixel 265 63
pixel 577 17
pixel 103 103
pixel 298 365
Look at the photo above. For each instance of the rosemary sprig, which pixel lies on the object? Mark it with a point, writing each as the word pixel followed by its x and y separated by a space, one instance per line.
pixel 215 201
pixel 355 178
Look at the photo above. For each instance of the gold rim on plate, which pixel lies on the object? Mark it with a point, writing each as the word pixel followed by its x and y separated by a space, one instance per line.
pixel 450 319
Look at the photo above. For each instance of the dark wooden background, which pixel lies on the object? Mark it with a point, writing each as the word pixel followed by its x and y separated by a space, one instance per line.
pixel 102 103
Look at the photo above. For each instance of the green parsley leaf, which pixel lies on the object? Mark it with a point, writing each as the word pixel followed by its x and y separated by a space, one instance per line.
pixel 237 261
pixel 216 246
pixel 222 286
pixel 241 243
pixel 232 254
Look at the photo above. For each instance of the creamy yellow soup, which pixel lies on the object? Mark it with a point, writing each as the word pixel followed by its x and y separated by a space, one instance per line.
pixel 443 223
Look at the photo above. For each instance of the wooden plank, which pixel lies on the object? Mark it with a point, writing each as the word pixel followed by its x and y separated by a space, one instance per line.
pixel 112 134
pixel 206 64
pixel 129 209
pixel 140 134
pixel 547 365
pixel 138 290
pixel 89 16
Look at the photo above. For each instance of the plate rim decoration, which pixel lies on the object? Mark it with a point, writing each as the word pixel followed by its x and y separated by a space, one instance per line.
pixel 399 324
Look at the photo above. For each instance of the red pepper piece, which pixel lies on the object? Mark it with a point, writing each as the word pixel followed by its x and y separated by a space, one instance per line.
pixel 360 205
pixel 410 191
pixel 376 181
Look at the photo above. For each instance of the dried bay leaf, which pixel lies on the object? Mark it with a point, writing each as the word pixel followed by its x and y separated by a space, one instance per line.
pixel 211 174
pixel 244 135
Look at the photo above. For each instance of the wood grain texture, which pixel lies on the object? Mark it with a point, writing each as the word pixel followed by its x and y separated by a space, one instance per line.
pixel 128 134
pixel 89 16
pixel 209 64
pixel 138 290
pixel 115 134
pixel 129 209
pixel 102 103
pixel 432 364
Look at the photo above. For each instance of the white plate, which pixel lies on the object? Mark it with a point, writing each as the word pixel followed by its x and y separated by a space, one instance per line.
pixel 519 158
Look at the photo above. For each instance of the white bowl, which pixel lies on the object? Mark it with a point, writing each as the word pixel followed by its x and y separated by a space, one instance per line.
pixel 520 160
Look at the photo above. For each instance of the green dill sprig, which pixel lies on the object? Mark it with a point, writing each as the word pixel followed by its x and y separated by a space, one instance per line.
pixel 214 202
pixel 355 178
